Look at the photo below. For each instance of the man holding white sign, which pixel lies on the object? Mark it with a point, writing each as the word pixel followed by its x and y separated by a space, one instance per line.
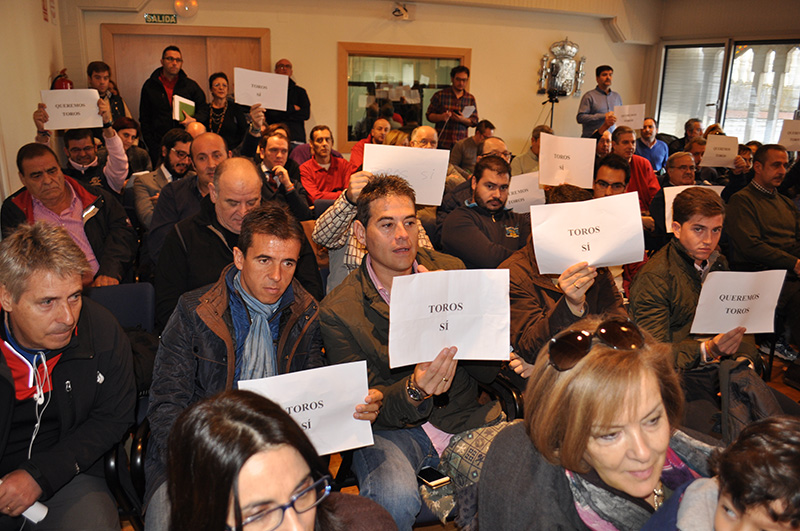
pixel 256 321
pixel 543 305
pixel 424 404
pixel 665 292
pixel 83 163
pixel 596 109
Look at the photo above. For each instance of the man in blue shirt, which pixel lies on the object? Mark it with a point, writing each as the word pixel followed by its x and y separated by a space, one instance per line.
pixel 597 106
pixel 651 148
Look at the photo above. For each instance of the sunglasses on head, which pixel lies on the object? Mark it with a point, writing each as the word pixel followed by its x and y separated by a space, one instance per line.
pixel 569 347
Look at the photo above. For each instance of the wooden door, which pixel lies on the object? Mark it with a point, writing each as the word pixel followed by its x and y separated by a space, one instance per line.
pixel 133 52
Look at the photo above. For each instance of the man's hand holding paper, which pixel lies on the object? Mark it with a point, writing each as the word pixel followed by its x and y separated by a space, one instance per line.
pixel 601 232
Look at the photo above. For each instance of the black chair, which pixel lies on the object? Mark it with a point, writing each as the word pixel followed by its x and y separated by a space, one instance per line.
pixel 133 305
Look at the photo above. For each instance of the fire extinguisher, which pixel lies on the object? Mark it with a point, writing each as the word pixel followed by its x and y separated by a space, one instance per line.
pixel 61 81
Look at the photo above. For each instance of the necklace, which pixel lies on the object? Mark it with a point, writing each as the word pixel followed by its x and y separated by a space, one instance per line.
pixel 658 495
pixel 216 119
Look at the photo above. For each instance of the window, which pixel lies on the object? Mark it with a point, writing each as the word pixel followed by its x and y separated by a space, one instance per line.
pixel 392 79
pixel 760 87
pixel 692 77
pixel 764 90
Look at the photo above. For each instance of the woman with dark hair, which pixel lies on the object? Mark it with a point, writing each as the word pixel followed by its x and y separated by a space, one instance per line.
pixel 757 484
pixel 226 117
pixel 599 447
pixel 239 460
pixel 129 132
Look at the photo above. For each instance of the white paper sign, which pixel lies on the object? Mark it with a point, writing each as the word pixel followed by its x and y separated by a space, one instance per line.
pixel 182 108
pixel 467 111
pixel 603 232
pixel 72 109
pixel 720 151
pixel 733 298
pixel 468 309
pixel 669 196
pixel 424 80
pixel 424 169
pixel 790 135
pixel 566 160
pixel 252 86
pixel 630 115
pixel 524 191
pixel 322 402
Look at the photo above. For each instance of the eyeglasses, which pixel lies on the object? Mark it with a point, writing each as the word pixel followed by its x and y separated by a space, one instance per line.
pixel 281 66
pixel 504 154
pixel 173 59
pixel 569 347
pixel 424 142
pixel 617 187
pixel 686 167
pixel 181 154
pixel 305 500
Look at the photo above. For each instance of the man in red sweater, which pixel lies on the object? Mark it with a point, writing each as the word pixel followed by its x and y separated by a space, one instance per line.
pixel 323 176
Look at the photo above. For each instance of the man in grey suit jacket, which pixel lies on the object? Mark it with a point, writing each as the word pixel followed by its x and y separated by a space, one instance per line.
pixel 175 148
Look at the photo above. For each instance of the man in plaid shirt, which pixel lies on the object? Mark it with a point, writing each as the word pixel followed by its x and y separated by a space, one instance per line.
pixel 446 109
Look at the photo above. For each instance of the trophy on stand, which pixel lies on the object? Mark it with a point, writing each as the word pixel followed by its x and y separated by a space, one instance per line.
pixel 561 75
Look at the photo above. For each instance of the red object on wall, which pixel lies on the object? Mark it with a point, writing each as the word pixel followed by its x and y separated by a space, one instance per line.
pixel 61 81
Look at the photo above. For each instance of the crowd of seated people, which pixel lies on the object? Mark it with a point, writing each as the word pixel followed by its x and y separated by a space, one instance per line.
pixel 225 211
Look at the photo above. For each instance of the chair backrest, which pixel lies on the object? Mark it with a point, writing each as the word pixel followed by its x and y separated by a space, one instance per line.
pixel 132 304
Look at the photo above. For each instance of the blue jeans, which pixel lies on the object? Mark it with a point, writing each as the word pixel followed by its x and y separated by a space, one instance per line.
pixel 387 471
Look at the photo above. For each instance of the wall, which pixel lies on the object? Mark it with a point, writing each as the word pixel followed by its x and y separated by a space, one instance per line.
pixel 690 19
pixel 31 56
pixel 507 46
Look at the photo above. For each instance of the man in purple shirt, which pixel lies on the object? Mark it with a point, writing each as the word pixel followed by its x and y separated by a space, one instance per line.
pixel 92 216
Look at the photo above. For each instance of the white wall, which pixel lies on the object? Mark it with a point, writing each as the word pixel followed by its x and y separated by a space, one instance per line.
pixel 31 56
pixel 507 46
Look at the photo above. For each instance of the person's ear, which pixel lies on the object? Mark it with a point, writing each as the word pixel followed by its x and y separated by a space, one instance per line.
pixel 360 232
pixel 676 229
pixel 238 258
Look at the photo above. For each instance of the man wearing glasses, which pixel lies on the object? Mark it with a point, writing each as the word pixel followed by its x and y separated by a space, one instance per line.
pixel 107 171
pixel 155 106
pixel 281 175
pixel 680 172
pixel 175 164
pixel 298 106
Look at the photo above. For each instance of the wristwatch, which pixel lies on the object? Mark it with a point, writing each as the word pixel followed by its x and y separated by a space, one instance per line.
pixel 414 392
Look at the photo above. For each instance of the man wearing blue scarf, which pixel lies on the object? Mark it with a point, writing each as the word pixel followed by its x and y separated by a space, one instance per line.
pixel 255 321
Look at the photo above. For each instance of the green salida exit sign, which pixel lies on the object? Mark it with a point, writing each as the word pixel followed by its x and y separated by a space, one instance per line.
pixel 160 18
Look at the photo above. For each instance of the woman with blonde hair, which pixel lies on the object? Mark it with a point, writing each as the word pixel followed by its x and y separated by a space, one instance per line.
pixel 598 448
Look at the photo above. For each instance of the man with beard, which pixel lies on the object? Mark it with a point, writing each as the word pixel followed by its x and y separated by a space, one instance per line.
pixel 481 232
pixel 175 164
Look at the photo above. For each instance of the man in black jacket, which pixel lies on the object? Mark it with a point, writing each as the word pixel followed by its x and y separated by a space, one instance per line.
pixel 298 106
pixel 66 384
pixel 155 106
pixel 282 175
pixel 92 216
pixel 482 232
pixel 199 247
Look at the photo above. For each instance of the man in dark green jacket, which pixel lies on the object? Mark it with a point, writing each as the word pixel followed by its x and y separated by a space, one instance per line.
pixel 423 405
pixel 665 292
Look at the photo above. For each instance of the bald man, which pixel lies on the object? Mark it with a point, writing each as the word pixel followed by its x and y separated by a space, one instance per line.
pixel 298 106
